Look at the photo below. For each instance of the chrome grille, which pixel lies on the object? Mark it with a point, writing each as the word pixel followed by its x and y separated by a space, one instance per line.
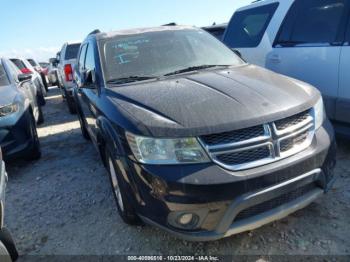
pixel 263 144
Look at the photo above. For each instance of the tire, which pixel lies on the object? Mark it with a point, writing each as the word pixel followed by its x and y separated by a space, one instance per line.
pixel 83 128
pixel 34 152
pixel 46 85
pixel 41 116
pixel 125 209
pixel 7 241
pixel 70 102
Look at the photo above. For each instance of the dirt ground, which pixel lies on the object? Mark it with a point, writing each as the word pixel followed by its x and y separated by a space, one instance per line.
pixel 63 205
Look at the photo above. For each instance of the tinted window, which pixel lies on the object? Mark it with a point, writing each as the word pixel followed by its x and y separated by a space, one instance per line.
pixel 90 58
pixel 313 21
pixel 32 62
pixel 348 33
pixel 18 63
pixel 247 27
pixel 3 77
pixel 82 58
pixel 72 51
pixel 161 52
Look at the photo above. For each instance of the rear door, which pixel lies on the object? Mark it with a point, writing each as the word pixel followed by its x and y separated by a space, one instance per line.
pixel 343 104
pixel 309 44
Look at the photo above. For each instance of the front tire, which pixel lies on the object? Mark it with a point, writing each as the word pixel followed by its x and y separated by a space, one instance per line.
pixel 125 209
pixel 70 102
pixel 34 152
pixel 83 128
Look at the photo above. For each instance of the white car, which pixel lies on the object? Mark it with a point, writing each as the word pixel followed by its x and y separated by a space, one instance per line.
pixel 307 40
pixel 26 68
pixel 67 58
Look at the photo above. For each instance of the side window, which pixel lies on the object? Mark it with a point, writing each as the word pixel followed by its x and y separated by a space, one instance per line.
pixel 247 27
pixel 90 58
pixel 3 77
pixel 82 58
pixel 313 22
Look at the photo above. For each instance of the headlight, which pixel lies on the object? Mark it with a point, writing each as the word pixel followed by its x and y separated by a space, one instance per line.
pixel 9 109
pixel 166 151
pixel 319 112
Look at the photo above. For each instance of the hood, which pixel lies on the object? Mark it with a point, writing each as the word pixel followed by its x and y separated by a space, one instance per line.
pixel 7 94
pixel 211 102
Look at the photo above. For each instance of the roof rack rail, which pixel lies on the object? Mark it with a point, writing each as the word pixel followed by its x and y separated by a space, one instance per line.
pixel 96 31
pixel 170 24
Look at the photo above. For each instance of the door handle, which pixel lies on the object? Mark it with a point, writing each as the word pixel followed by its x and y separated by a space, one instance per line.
pixel 275 59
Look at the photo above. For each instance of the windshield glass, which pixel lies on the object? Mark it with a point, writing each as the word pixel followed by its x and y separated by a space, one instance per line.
pixel 162 52
pixel 3 77
pixel 72 51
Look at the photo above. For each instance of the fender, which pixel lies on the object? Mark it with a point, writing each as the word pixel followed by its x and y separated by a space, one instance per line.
pixel 112 140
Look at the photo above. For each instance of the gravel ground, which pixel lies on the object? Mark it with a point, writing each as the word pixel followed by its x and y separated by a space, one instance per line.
pixel 63 205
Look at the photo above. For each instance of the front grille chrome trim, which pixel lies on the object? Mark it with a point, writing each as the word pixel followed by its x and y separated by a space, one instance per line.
pixel 223 147
pixel 272 139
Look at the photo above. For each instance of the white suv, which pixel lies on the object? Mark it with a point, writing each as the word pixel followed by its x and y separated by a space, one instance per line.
pixel 67 59
pixel 307 40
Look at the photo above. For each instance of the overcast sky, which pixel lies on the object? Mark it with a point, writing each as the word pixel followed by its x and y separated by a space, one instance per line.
pixel 38 28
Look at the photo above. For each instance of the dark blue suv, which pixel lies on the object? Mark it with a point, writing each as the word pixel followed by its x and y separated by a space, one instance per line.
pixel 197 141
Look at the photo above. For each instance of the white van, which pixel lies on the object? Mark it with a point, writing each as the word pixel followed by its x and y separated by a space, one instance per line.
pixel 307 40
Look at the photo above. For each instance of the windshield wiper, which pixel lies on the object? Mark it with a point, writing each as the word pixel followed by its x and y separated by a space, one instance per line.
pixel 192 68
pixel 130 79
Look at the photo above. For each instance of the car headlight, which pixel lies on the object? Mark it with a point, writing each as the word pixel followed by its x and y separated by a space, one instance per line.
pixel 319 113
pixel 166 151
pixel 8 109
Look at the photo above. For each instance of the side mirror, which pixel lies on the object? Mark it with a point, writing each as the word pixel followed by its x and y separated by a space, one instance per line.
pixel 237 53
pixel 89 79
pixel 24 77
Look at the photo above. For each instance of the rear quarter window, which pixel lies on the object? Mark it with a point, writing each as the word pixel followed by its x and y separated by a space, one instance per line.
pixel 247 27
pixel 72 51
pixel 3 77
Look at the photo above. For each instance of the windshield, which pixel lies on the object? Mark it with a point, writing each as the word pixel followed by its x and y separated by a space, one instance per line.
pixel 162 52
pixel 3 77
pixel 72 51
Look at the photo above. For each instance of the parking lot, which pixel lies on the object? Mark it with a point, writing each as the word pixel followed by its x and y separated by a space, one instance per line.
pixel 63 204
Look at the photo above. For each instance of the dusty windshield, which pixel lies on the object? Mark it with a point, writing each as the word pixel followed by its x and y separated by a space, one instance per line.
pixel 162 52
pixel 3 77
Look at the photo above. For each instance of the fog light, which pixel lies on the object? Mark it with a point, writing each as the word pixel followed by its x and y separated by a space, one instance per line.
pixel 185 219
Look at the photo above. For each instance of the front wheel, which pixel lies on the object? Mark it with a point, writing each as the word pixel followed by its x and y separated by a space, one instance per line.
pixel 34 152
pixel 83 128
pixel 70 102
pixel 125 209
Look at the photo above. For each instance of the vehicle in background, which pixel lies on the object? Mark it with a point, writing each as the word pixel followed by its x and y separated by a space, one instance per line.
pixel 307 40
pixel 52 72
pixel 20 111
pixel 196 141
pixel 40 70
pixel 26 68
pixel 216 30
pixel 67 59
pixel 8 250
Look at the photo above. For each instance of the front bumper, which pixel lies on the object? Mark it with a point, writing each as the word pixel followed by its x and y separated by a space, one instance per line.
pixel 227 202
pixel 16 139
